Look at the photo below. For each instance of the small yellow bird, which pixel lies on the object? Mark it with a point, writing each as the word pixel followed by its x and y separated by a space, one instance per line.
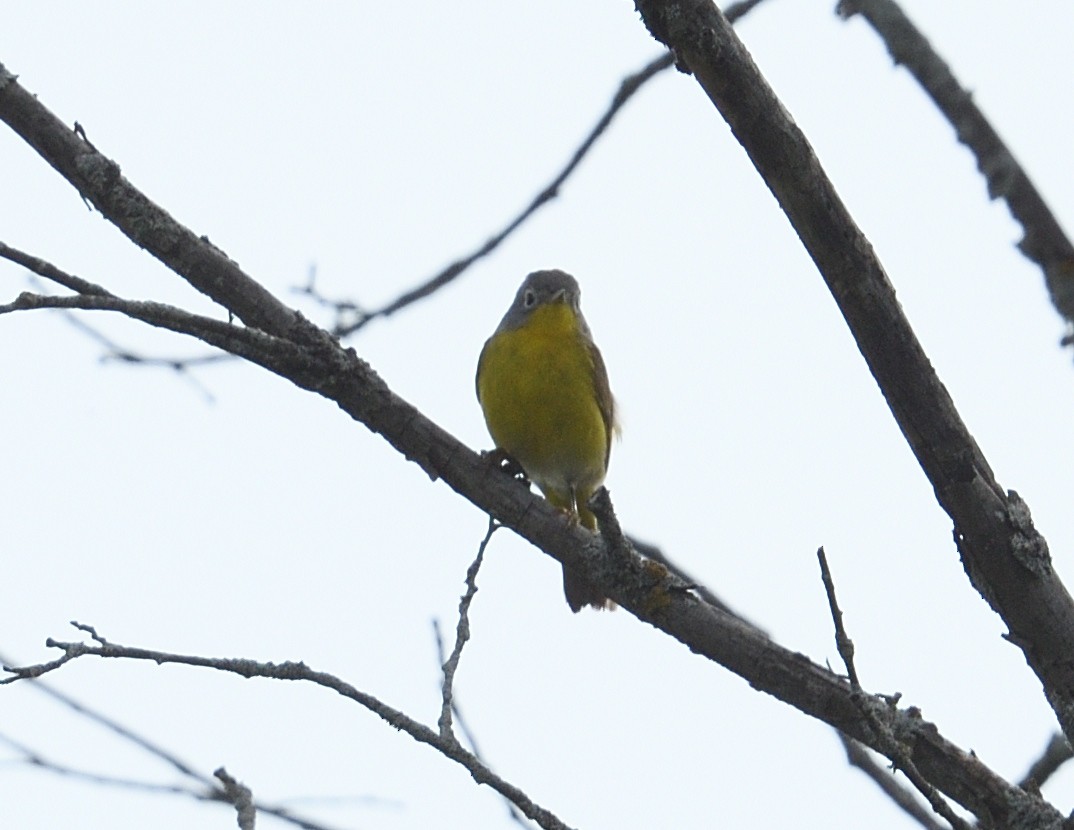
pixel 544 391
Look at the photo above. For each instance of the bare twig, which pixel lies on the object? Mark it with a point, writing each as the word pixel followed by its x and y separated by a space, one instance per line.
pixel 37 759
pixel 843 642
pixel 209 791
pixel 899 754
pixel 39 267
pixel 1055 754
pixel 113 725
pixel 251 344
pixel 1044 241
pixel 451 714
pixel 462 634
pixel 51 272
pixel 449 747
pixel 895 749
pixel 458 719
pixel 98 179
pixel 627 89
pixel 858 756
pixel 240 796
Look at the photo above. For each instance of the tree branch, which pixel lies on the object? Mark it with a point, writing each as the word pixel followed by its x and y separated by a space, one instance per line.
pixel 1043 241
pixel 858 756
pixel 51 272
pixel 627 88
pixel 98 180
pixel 313 360
pixel 240 797
pixel 1005 558
pixel 207 789
pixel 462 635
pixel 645 588
pixel 896 750
pixel 447 746
pixel 843 644
pixel 1055 754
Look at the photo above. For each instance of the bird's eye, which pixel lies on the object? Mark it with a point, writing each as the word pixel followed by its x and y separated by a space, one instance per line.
pixel 529 299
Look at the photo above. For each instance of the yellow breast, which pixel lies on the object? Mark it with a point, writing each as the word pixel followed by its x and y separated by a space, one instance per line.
pixel 537 391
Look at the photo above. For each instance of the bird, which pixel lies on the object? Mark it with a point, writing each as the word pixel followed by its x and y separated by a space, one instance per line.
pixel 543 389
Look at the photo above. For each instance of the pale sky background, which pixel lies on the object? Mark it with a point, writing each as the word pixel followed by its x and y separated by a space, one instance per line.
pixel 379 141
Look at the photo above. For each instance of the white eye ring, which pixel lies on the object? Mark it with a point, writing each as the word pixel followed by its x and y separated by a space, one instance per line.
pixel 529 299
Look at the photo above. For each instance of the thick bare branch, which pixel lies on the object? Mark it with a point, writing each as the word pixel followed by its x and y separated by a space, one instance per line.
pixel 313 360
pixel 1043 241
pixel 645 588
pixel 1004 556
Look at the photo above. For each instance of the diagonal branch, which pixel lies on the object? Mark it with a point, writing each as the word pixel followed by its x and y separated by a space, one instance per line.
pixel 314 360
pixel 1044 241
pixel 645 588
pixel 51 272
pixel 630 85
pixel 462 635
pixel 207 789
pixel 1056 753
pixel 627 89
pixel 98 179
pixel 446 745
pixel 858 756
pixel 1005 558
pixel 962 775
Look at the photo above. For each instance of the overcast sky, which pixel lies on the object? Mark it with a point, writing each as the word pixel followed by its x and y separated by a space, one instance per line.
pixel 226 513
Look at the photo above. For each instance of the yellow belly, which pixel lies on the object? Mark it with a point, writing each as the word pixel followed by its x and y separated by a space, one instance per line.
pixel 535 384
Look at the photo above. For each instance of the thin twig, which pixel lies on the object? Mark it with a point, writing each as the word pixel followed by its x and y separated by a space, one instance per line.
pixel 51 272
pixel 99 179
pixel 1055 754
pixel 112 725
pixel 897 750
pixel 462 634
pixel 240 796
pixel 210 792
pixel 858 756
pixel 1044 241
pixel 628 87
pixel 297 671
pixel 39 267
pixel 452 715
pixel 240 341
pixel 843 642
